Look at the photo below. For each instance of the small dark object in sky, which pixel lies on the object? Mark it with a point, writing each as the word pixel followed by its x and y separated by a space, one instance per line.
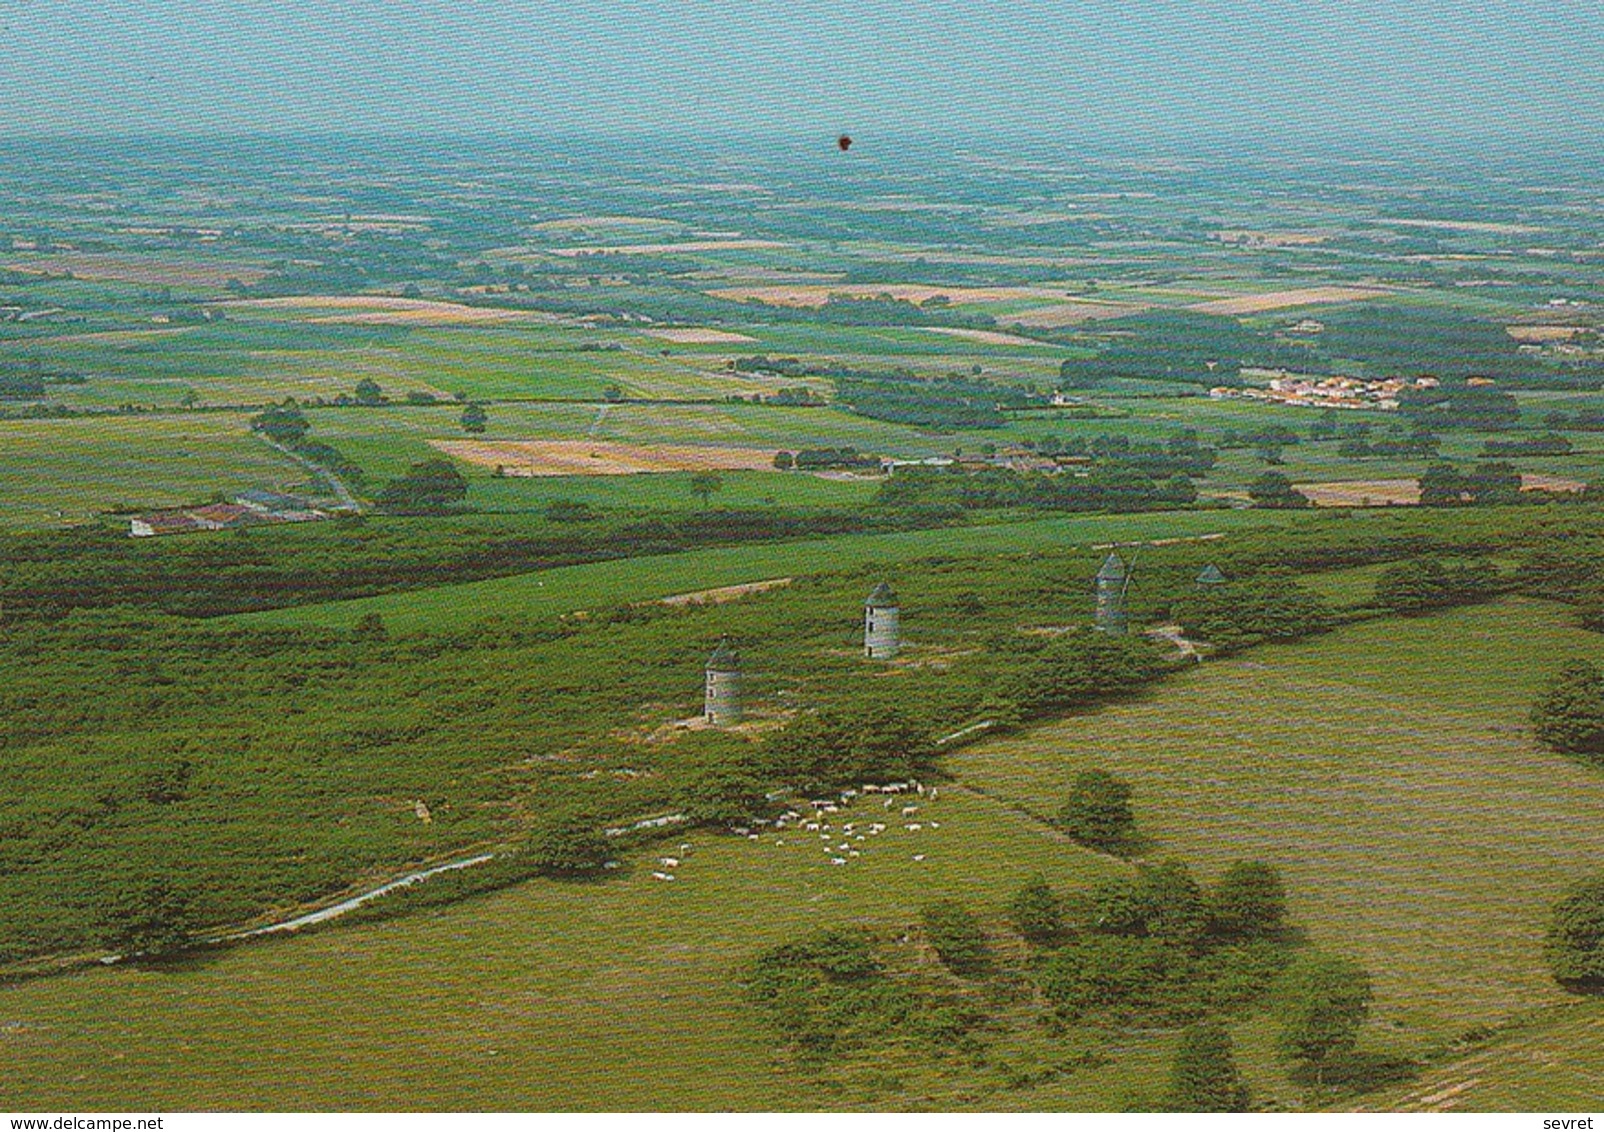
pixel 844 142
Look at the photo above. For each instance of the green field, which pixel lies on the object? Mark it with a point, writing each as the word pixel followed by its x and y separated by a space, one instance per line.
pixel 566 589
pixel 1545 1062
pixel 68 471
pixel 1389 772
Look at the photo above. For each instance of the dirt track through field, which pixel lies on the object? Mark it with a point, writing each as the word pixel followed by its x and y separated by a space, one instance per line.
pixel 1297 297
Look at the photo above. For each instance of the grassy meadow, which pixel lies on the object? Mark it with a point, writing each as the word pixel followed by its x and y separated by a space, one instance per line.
pixel 566 589
pixel 1389 771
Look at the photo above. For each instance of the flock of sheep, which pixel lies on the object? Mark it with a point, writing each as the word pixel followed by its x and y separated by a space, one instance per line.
pixel 843 844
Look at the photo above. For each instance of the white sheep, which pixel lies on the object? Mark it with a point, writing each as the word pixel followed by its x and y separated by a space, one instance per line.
pixel 838 860
pixel 909 811
pixel 915 827
pixel 668 862
pixel 661 876
pixel 812 827
pixel 918 856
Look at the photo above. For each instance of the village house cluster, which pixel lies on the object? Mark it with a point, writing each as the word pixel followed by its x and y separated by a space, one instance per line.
pixel 248 507
pixel 1322 391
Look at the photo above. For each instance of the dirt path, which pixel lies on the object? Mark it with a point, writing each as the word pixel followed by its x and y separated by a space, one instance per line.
pixel 353 903
pixel 720 594
pixel 347 500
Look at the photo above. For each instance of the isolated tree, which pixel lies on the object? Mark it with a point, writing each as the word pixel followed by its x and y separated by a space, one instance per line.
pixel 282 424
pixel 567 845
pixel 613 393
pixel 849 743
pixel 1574 943
pixel 431 486
pixel 704 484
pixel 1248 902
pixel 1322 1001
pixel 1413 586
pixel 1099 974
pixel 370 627
pixel 1442 485
pixel 955 934
pixel 1036 912
pixel 146 915
pixel 784 461
pixel 474 418
pixel 727 784
pixel 1161 901
pixel 1203 1075
pixel 1274 490
pixel 368 392
pixel 1098 813
pixel 1569 716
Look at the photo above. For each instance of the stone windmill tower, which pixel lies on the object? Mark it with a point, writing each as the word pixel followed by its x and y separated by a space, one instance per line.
pixel 1112 582
pixel 722 701
pixel 882 636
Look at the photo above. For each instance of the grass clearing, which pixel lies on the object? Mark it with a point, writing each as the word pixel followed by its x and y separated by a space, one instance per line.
pixel 1388 771
pixel 62 472
pixel 512 1001
pixel 566 589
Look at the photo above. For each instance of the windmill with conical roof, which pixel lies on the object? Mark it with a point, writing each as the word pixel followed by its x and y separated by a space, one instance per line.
pixel 882 636
pixel 722 701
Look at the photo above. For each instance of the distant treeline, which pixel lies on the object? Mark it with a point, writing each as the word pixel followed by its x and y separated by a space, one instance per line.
pixel 50 574
pixel 944 403
pixel 1112 488
pixel 1390 340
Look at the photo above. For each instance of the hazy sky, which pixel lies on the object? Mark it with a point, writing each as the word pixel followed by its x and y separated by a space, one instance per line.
pixel 804 67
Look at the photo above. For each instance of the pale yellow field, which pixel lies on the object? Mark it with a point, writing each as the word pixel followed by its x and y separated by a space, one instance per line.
pixel 387 309
pixel 1543 333
pixel 593 458
pixel 694 336
pixel 1383 493
pixel 1537 481
pixel 198 272
pixel 671 249
pixel 720 594
pixel 1468 226
pixel 1297 297
pixel 990 337
pixel 1362 493
pixel 817 294
pixel 569 223
pixel 1269 239
pixel 1068 314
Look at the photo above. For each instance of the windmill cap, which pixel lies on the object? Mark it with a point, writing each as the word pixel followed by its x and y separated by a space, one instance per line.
pixel 881 597
pixel 724 658
pixel 1113 569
